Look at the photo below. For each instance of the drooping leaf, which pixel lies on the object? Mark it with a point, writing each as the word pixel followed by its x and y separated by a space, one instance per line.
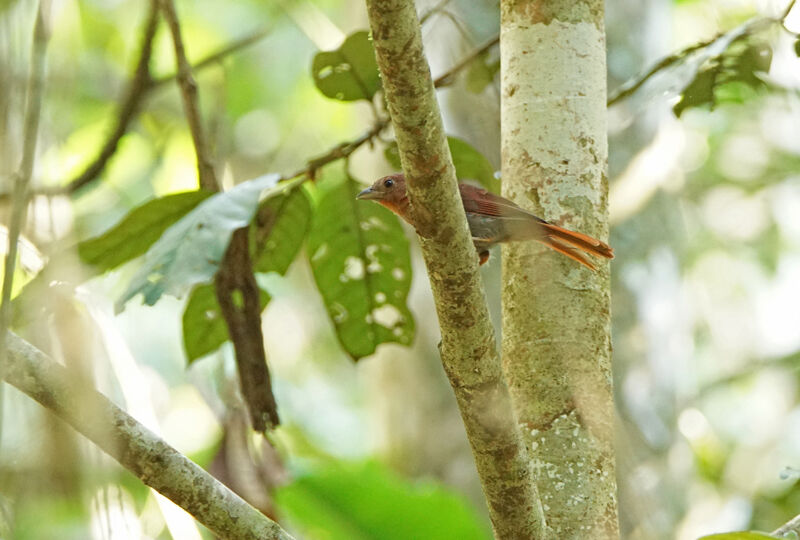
pixel 189 252
pixel 740 535
pixel 360 260
pixel 279 229
pixel 469 163
pixel 732 76
pixel 276 236
pixel 204 328
pixel 350 72
pixel 137 231
pixel 367 502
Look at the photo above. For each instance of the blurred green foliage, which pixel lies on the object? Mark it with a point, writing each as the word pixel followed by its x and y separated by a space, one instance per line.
pixel 365 501
pixel 704 249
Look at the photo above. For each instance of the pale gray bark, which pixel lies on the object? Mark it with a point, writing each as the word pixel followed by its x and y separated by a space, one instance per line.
pixel 556 314
pixel 135 447
pixel 468 348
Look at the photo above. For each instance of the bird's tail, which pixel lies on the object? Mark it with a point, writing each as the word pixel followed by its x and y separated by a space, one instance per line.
pixel 574 244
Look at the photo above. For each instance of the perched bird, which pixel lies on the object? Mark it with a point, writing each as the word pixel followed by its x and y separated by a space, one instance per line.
pixel 493 219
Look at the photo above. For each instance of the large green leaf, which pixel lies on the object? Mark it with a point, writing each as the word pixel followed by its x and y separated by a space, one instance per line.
pixel 204 328
pixel 469 163
pixel 189 252
pixel 276 236
pixel 367 502
pixel 131 237
pixel 350 72
pixel 360 260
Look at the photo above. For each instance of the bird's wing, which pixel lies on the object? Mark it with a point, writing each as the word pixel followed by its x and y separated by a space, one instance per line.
pixel 480 201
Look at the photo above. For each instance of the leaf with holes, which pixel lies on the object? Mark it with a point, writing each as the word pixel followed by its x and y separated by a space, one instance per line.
pixel 276 236
pixel 469 163
pixel 360 260
pixel 137 231
pixel 189 252
pixel 204 328
pixel 350 72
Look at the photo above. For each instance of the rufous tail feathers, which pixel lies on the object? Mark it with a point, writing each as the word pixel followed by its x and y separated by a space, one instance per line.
pixel 574 244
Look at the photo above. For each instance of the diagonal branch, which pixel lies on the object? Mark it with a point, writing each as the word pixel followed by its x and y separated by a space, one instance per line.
pixel 793 525
pixel 188 87
pixel 134 446
pixel 216 57
pixel 137 88
pixel 447 78
pixel 468 348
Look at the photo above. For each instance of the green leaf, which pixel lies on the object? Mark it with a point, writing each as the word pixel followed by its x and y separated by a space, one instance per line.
pixel 733 76
pixel 279 229
pixel 350 72
pixel 797 47
pixel 204 328
pixel 360 260
pixel 364 501
pixel 481 74
pixel 190 251
pixel 741 535
pixel 131 237
pixel 469 163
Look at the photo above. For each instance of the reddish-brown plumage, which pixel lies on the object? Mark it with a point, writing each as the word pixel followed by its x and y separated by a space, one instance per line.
pixel 493 219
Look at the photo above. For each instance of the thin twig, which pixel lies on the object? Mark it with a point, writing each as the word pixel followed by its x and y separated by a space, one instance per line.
pixel 188 86
pixel 340 151
pixel 138 88
pixel 787 10
pixel 33 108
pixel 134 94
pixel 447 78
pixel 433 11
pixel 217 56
pixel 630 87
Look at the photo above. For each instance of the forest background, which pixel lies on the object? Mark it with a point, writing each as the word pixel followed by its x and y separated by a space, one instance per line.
pixel 705 221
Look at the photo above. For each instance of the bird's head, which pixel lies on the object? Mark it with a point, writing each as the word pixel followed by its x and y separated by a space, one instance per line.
pixel 390 191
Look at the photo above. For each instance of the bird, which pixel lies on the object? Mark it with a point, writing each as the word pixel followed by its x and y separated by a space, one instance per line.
pixel 494 219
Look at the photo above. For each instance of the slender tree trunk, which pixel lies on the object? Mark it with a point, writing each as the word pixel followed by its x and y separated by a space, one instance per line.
pixel 468 348
pixel 556 317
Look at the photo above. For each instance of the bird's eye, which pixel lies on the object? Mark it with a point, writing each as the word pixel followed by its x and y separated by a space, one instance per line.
pixel 388 183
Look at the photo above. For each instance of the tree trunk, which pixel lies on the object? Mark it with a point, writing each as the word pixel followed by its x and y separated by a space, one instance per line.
pixel 468 349
pixel 556 316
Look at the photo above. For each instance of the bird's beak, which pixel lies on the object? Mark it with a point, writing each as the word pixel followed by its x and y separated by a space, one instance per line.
pixel 369 194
